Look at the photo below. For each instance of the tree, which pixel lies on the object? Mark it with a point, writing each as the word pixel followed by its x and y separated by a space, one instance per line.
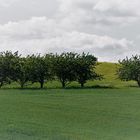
pixel 85 65
pixel 23 71
pixel 8 63
pixel 64 67
pixel 40 69
pixel 130 69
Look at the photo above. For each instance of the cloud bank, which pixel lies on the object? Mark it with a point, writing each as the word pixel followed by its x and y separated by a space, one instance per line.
pixel 77 26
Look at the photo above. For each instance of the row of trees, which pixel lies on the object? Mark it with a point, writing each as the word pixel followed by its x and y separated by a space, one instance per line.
pixel 66 67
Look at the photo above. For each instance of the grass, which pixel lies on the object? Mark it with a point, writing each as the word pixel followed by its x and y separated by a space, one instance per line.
pixel 109 72
pixel 103 110
pixel 71 114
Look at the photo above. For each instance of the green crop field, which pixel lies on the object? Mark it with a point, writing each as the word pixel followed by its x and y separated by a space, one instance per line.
pixel 103 110
pixel 80 114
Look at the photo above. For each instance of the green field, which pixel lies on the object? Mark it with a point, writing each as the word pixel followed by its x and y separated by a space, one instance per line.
pixel 103 110
pixel 80 114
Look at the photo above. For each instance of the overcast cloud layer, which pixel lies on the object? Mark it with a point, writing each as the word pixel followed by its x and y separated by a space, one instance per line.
pixel 107 28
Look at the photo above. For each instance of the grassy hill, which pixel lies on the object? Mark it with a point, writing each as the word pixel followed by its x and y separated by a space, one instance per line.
pixel 109 72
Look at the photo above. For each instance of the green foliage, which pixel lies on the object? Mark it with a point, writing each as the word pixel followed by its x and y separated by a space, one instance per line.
pixel 85 68
pixel 8 63
pixel 130 69
pixel 23 71
pixel 64 67
pixel 70 67
pixel 40 69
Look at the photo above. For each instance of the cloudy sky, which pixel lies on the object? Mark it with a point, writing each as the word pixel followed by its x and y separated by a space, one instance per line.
pixel 107 28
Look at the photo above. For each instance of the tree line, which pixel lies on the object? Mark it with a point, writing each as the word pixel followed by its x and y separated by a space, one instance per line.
pixel 65 67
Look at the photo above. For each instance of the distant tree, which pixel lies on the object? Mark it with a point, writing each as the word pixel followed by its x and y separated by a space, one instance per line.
pixel 40 69
pixel 8 63
pixel 130 69
pixel 85 68
pixel 64 67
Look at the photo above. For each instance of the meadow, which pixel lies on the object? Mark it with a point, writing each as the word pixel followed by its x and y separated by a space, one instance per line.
pixel 103 110
pixel 70 114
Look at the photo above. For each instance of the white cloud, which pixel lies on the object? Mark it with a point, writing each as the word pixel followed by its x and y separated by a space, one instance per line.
pixel 100 11
pixel 126 7
pixel 42 35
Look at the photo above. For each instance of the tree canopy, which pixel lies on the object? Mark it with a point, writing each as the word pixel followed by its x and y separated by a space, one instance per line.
pixel 85 68
pixel 65 67
pixel 130 69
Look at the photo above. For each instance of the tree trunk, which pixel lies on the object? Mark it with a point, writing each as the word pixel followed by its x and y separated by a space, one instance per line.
pixel 42 84
pixel 22 85
pixel 63 84
pixel 82 85
pixel 138 83
pixel 1 84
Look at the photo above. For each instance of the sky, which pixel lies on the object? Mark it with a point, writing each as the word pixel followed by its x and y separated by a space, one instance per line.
pixel 109 29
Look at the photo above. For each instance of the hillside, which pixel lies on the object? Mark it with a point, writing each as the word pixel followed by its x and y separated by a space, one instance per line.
pixel 108 70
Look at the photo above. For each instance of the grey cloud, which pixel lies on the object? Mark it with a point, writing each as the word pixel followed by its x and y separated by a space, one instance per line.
pixel 104 28
pixel 40 35
pixel 25 9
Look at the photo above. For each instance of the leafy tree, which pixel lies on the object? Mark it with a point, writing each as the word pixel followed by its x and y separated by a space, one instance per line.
pixel 8 63
pixel 40 69
pixel 64 67
pixel 84 68
pixel 130 69
pixel 23 71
